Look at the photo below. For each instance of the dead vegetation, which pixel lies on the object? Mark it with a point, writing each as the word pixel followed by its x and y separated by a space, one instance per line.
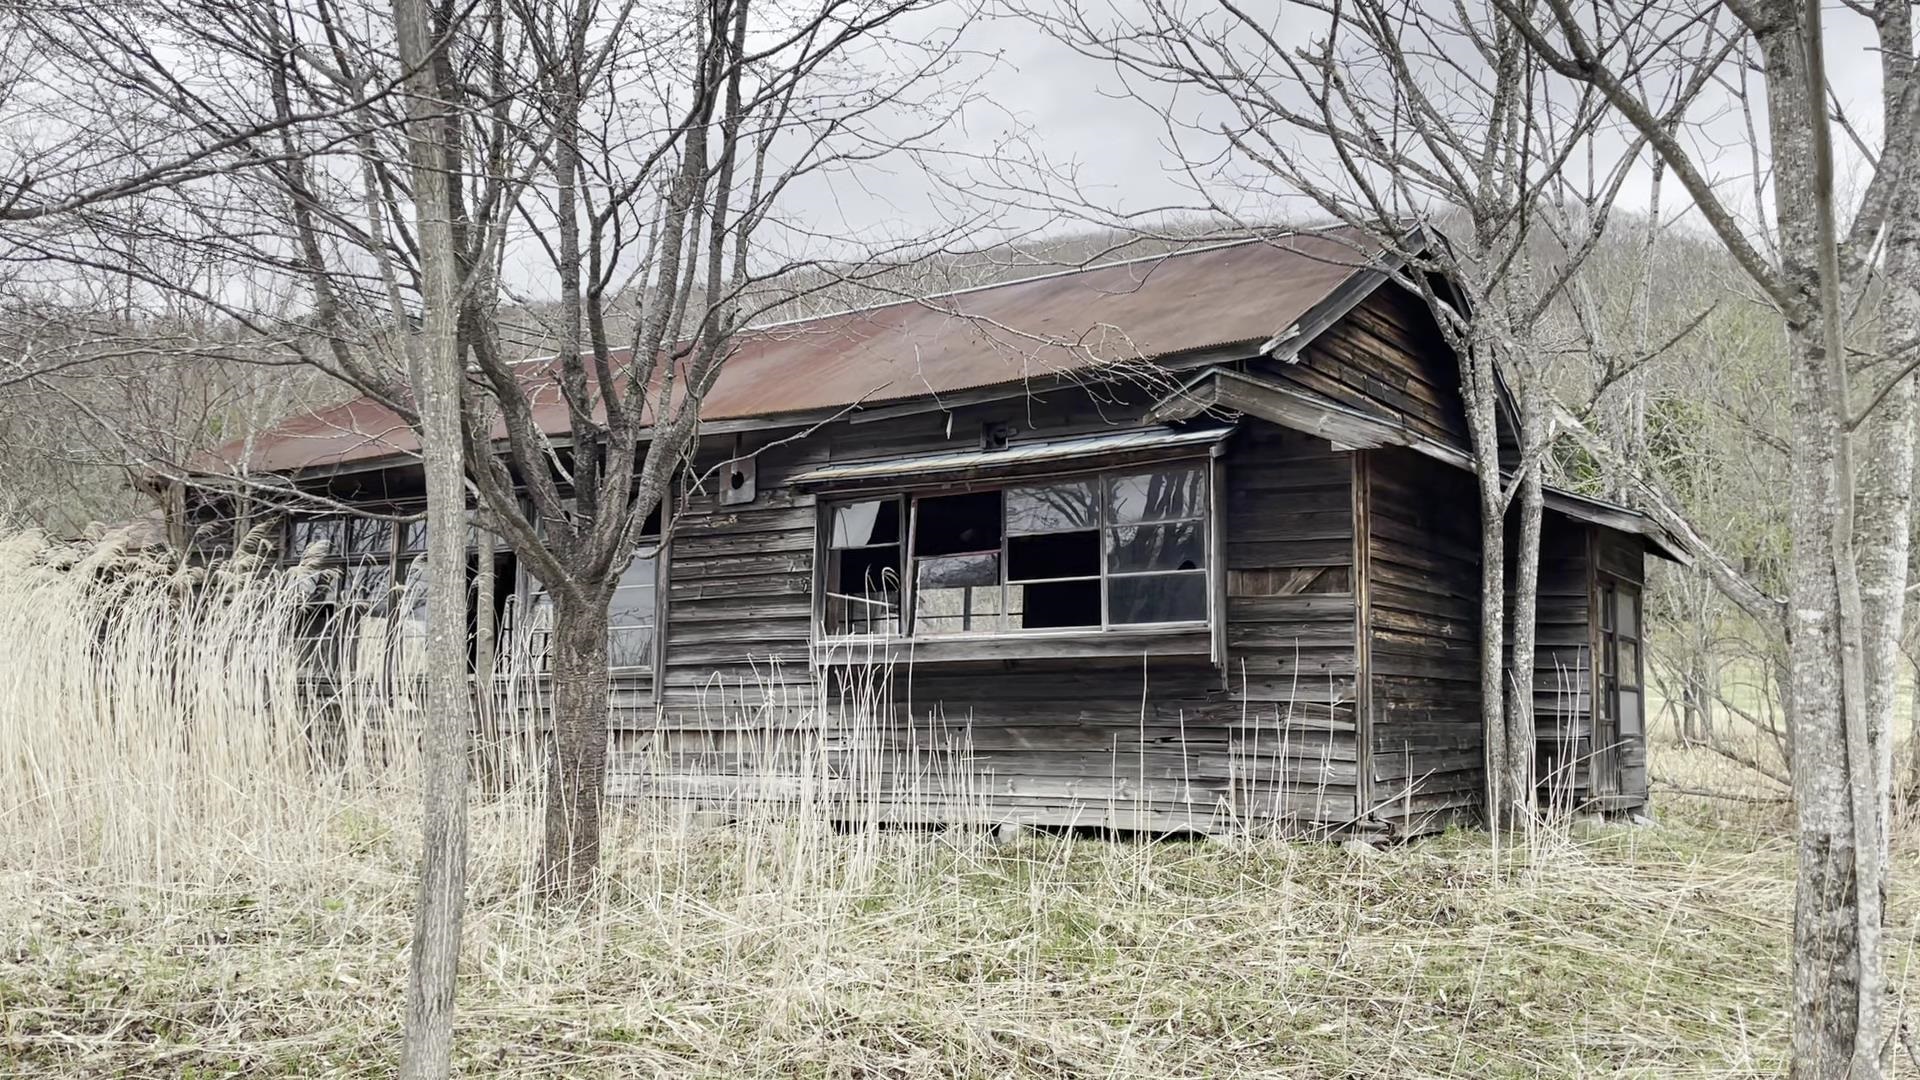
pixel 254 922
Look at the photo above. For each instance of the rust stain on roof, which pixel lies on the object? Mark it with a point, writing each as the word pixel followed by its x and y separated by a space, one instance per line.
pixel 1037 328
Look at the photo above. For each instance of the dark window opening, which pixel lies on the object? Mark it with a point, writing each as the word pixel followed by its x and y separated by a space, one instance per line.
pixel 1053 555
pixel 957 524
pixel 1054 605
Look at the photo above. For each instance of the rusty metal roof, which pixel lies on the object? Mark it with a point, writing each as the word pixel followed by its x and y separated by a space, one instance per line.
pixel 1034 329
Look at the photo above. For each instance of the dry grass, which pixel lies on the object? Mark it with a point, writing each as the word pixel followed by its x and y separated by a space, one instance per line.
pixel 254 922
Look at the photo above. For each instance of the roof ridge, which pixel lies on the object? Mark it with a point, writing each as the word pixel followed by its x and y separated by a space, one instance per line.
pixel 1050 275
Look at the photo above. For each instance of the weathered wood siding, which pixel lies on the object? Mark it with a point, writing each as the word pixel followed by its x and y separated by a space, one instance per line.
pixel 1162 741
pixel 1423 589
pixel 1293 655
pixel 1386 358
pixel 1563 676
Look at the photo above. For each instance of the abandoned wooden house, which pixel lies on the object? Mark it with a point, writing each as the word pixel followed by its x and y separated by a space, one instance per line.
pixel 1167 543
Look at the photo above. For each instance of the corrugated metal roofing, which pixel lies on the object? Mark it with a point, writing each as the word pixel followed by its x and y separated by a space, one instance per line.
pixel 1032 329
pixel 1029 453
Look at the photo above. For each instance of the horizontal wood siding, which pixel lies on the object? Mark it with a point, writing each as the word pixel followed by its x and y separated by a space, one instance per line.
pixel 1563 679
pixel 1111 740
pixel 739 606
pixel 1292 656
pixel 1424 587
pixel 1386 358
pixel 1165 742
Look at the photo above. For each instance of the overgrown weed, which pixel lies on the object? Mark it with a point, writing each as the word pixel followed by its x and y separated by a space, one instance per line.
pixel 181 895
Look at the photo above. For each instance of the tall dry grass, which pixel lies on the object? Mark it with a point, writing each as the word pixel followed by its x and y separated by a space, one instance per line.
pixel 206 870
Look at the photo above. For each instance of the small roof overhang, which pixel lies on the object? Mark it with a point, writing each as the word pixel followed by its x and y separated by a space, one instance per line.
pixel 1038 457
pixel 1220 390
pixel 1660 541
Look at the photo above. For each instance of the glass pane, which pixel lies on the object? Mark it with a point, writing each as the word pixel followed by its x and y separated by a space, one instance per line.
pixel 953 571
pixel 1062 507
pixel 639 571
pixel 1626 604
pixel 368 536
pixel 1180 546
pixel 1630 721
pixel 1162 495
pixel 1157 598
pixel 1606 608
pixel 1053 555
pixel 864 523
pixel 630 647
pixel 957 524
pixel 414 592
pixel 367 584
pixel 323 587
pixel 306 532
pixel 413 536
pixel 1053 605
pixel 1629 664
pixel 959 610
pixel 632 606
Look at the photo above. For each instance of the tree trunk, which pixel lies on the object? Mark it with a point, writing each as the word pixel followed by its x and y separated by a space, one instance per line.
pixel 1913 725
pixel 1696 698
pixel 1521 735
pixel 1837 912
pixel 1478 386
pixel 427 1046
pixel 1887 446
pixel 1885 512
pixel 577 760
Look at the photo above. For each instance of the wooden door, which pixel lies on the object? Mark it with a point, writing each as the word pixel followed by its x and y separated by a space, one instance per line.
pixel 1620 729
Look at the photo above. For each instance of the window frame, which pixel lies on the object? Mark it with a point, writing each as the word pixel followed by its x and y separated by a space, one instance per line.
pixel 1613 678
pixel 527 591
pixel 1204 511
pixel 341 600
pixel 825 570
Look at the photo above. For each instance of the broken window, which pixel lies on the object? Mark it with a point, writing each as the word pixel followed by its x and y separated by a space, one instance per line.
pixel 1053 555
pixel 956 564
pixel 863 567
pixel 1091 552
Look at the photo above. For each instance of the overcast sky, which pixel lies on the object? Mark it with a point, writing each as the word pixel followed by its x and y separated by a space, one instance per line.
pixel 1076 110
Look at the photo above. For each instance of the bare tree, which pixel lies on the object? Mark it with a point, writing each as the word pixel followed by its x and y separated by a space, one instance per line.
pixel 434 367
pixel 622 175
pixel 1850 497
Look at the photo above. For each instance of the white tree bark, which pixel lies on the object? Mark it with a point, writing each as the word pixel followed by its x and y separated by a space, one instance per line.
pixel 1837 923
